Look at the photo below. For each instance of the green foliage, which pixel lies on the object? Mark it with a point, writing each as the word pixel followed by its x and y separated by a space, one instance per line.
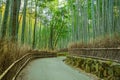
pixel 51 24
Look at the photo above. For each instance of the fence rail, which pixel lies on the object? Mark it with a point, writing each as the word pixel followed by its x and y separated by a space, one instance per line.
pixel 96 49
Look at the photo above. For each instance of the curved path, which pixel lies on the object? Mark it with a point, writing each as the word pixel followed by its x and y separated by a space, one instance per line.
pixel 50 69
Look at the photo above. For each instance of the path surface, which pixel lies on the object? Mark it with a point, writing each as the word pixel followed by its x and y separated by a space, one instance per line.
pixel 50 69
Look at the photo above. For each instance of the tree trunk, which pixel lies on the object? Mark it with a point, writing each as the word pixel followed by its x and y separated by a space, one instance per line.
pixel 24 22
pixel 5 20
pixel 33 45
pixel 15 17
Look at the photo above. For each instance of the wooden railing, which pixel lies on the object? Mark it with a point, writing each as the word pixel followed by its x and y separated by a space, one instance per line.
pixel 14 69
pixel 101 53
pixel 95 49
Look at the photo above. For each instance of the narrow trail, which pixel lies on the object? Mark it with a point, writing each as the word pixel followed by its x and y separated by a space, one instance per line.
pixel 50 69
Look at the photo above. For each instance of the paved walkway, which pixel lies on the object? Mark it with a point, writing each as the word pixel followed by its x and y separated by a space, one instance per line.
pixel 50 69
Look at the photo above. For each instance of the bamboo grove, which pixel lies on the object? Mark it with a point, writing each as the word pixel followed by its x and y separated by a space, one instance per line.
pixel 53 24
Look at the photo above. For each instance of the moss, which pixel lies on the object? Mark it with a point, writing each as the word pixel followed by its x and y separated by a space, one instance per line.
pixel 110 72
pixel 116 70
pixel 87 68
pixel 97 67
pixel 92 68
pixel 81 61
pixel 105 73
pixel 77 62
pixel 106 70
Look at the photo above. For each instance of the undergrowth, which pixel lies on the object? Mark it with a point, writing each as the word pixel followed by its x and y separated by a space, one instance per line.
pixel 9 52
pixel 106 42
